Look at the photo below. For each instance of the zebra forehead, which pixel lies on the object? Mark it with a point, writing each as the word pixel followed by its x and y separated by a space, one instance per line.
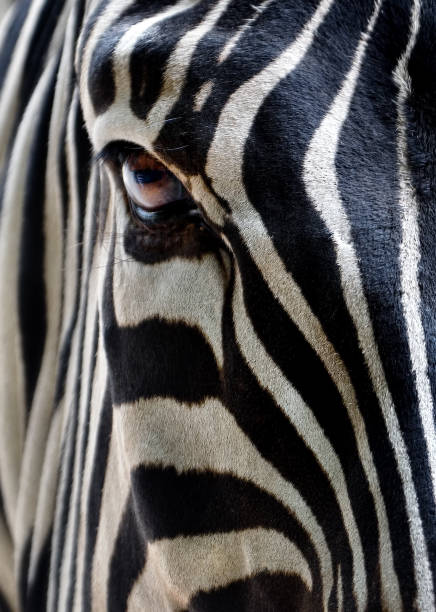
pixel 139 62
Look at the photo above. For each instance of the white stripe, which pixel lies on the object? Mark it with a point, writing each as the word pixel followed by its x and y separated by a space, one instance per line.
pixel 8 585
pixel 303 420
pixel 207 437
pixel 98 389
pixel 177 569
pixel 410 253
pixel 110 15
pixel 88 315
pixel 234 40
pixel 114 495
pixel 409 263
pixel 121 71
pixel 11 86
pixel 39 426
pixel 12 381
pixel 144 292
pixel 320 162
pixel 118 122
pixel 224 166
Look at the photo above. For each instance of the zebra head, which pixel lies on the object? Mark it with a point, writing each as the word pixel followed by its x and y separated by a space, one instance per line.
pixel 250 312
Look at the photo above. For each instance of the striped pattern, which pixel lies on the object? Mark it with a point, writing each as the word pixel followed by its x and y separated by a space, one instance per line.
pixel 233 411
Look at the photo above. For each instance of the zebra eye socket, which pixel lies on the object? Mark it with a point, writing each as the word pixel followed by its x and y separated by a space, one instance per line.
pixel 149 185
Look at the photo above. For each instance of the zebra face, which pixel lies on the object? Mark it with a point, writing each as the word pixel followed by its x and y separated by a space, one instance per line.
pixel 268 335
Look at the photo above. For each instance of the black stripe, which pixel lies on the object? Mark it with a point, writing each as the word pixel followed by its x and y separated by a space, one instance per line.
pixel 37 591
pixel 64 490
pixel 89 377
pixel 421 142
pixel 369 185
pixel 4 606
pixel 31 284
pixel 272 32
pixel 82 151
pixel 156 357
pixel 95 496
pixel 101 84
pixel 265 592
pixel 302 367
pixel 271 431
pixel 23 572
pixel 21 10
pixel 166 504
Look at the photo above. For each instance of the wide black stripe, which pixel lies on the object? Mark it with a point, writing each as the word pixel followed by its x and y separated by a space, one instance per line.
pixel 31 284
pixel 23 571
pixel 265 592
pixel 166 504
pixel 302 240
pixel 156 357
pixel 175 360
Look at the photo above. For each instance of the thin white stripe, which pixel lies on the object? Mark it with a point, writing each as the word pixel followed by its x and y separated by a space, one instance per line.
pixel 88 316
pixel 118 122
pixel 232 43
pixel 302 418
pixel 224 166
pixel 411 298
pixel 320 162
pixel 410 252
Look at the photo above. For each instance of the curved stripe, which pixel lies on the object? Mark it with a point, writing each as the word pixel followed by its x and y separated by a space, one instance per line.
pixel 233 42
pixel 112 12
pixel 176 435
pixel 12 388
pixel 302 418
pixel 11 86
pixel 186 565
pixel 320 162
pixel 118 122
pixel 410 253
pixel 225 171
pixel 146 292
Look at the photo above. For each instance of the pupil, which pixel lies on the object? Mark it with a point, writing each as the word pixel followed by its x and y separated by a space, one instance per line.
pixel 148 176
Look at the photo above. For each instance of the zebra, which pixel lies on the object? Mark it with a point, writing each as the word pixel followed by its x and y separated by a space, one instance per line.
pixel 217 329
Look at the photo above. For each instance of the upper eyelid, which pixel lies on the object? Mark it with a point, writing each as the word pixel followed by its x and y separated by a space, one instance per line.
pixel 116 151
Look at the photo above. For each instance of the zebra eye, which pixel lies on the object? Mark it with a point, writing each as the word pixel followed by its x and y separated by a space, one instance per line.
pixel 149 185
